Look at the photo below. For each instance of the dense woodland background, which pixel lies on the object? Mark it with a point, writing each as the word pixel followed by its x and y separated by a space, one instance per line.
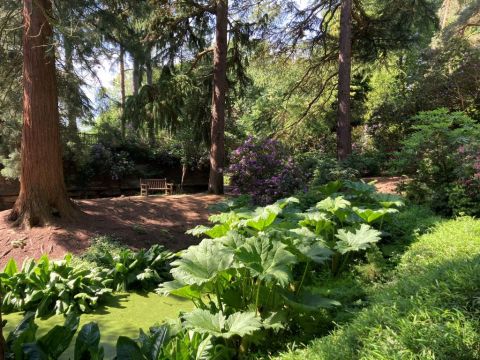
pixel 282 82
pixel 291 104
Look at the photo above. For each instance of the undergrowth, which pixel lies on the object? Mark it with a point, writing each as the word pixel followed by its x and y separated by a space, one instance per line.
pixel 429 310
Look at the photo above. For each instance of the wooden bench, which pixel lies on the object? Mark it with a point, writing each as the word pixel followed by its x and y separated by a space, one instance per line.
pixel 155 184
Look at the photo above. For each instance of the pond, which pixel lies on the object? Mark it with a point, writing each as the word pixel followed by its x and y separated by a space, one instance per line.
pixel 123 315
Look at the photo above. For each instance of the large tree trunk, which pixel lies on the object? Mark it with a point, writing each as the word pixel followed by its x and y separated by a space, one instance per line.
pixel 43 195
pixel 217 150
pixel 71 113
pixel 151 120
pixel 344 133
pixel 122 87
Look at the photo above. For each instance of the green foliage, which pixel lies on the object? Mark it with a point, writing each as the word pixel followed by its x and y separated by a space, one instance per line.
pixel 11 166
pixel 68 286
pixel 87 343
pixel 430 311
pixel 441 156
pixel 262 260
pixel 170 341
pixel 143 269
pixel 22 343
pixel 53 286
pixel 320 169
pixel 128 269
pixel 361 239
pixel 219 325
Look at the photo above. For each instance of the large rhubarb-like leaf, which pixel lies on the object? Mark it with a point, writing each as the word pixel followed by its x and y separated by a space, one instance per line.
pixel 267 259
pixel 357 240
pixel 201 264
pixel 219 325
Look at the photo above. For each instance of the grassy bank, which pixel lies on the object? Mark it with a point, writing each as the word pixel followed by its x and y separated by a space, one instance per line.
pixel 430 310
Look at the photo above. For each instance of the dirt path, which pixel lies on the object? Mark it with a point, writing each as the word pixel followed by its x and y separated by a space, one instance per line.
pixel 136 221
pixel 386 184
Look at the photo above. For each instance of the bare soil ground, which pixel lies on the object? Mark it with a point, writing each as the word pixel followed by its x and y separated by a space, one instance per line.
pixel 386 184
pixel 138 222
pixel 135 221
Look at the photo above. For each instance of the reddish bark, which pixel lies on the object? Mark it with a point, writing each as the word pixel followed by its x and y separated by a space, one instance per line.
pixel 43 195
pixel 122 86
pixel 344 133
pixel 217 149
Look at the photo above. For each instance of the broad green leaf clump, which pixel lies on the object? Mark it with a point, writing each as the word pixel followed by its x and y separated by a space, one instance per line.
pixel 255 265
pixel 67 286
pixel 357 240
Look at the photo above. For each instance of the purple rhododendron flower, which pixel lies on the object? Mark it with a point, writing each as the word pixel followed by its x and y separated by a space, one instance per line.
pixel 265 170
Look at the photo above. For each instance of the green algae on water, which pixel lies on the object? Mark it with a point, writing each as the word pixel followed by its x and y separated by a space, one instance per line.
pixel 123 315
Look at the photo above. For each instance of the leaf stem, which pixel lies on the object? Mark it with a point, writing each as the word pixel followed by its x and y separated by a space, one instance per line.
pixel 258 295
pixel 219 300
pixel 303 277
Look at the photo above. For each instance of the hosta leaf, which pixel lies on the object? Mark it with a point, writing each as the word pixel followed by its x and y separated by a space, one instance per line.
pixel 34 296
pixel 151 346
pixel 200 264
pixel 357 240
pixel 23 333
pixel 11 268
pixel 128 349
pixel 269 260
pixel 240 323
pixel 87 343
pixel 32 351
pixel 57 340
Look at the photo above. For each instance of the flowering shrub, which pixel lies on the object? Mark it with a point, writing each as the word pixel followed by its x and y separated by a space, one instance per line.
pixel 265 170
pixel 442 158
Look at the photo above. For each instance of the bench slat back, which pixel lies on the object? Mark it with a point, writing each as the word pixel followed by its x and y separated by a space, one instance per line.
pixel 154 183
